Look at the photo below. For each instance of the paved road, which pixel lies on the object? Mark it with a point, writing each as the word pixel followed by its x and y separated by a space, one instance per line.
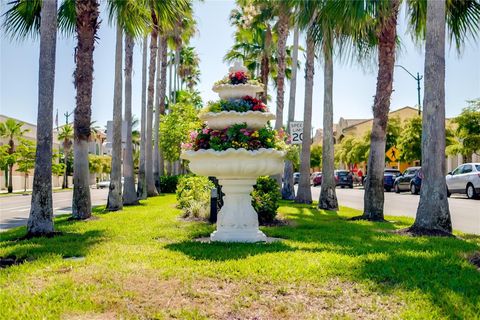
pixel 465 213
pixel 14 210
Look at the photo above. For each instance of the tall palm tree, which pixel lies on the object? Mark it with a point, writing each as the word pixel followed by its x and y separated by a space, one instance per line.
pixel 40 221
pixel 304 194
pixel 156 126
pixel 162 95
pixel 433 214
pixel 65 136
pixel 12 131
pixel 129 193
pixel 130 19
pixel 142 179
pixel 114 200
pixel 288 192
pixel 86 29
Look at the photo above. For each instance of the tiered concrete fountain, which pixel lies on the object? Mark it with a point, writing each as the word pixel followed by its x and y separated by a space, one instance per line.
pixel 236 169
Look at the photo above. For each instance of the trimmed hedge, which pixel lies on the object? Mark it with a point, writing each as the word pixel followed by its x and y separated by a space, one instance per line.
pixel 265 197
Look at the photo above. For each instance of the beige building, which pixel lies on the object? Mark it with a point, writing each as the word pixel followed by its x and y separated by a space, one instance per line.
pixel 360 127
pixel 96 146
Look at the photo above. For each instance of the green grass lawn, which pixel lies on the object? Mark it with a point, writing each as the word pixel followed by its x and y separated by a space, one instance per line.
pixel 142 263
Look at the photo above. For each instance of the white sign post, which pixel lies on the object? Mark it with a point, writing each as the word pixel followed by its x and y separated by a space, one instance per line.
pixel 296 131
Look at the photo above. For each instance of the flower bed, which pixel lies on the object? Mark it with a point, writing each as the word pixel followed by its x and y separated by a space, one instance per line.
pixel 244 104
pixel 236 137
pixel 238 77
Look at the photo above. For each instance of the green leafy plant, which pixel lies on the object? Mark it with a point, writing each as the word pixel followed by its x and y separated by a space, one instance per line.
pixel 193 195
pixel 168 184
pixel 265 198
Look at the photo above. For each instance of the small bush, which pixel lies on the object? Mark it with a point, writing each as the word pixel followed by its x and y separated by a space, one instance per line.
pixel 168 184
pixel 193 195
pixel 265 197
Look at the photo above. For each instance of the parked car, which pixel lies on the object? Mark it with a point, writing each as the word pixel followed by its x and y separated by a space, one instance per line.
pixel 105 184
pixel 343 178
pixel 312 177
pixel 416 182
pixel 402 182
pixel 296 177
pixel 317 180
pixel 464 179
pixel 389 176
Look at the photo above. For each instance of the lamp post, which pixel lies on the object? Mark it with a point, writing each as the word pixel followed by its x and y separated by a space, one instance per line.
pixel 417 78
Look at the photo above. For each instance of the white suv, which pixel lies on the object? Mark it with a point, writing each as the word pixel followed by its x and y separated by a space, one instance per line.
pixel 465 179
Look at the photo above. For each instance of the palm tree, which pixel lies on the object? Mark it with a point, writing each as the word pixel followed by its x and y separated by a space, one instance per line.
pixel 86 29
pixel 304 194
pixel 142 180
pixel 114 201
pixel 11 130
pixel 129 193
pixel 40 221
pixel 65 136
pixel 156 126
pixel 433 214
pixel 288 192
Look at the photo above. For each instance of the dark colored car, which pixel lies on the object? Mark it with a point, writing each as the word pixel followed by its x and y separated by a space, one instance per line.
pixel 402 182
pixel 312 177
pixel 416 182
pixel 296 177
pixel 344 178
pixel 317 180
pixel 389 176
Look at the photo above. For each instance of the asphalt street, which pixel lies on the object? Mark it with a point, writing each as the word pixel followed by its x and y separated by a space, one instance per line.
pixel 465 213
pixel 14 209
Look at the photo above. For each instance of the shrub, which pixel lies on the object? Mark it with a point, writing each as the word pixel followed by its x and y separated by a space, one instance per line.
pixel 168 184
pixel 193 195
pixel 265 197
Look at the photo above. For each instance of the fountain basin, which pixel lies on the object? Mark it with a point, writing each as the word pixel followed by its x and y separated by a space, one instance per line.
pixel 237 91
pixel 220 120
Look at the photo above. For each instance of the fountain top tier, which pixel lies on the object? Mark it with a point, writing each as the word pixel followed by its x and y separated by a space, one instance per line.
pixel 237 84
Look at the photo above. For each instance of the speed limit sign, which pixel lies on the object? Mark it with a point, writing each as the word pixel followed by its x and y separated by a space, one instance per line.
pixel 296 131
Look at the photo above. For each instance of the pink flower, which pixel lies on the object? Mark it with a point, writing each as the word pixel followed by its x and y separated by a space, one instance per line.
pixel 193 135
pixel 205 131
pixel 186 146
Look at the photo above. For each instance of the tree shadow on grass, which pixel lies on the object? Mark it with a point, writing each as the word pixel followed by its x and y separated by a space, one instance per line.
pixel 65 244
pixel 436 267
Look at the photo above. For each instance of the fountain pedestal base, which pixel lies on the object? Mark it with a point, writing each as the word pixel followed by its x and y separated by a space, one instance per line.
pixel 237 220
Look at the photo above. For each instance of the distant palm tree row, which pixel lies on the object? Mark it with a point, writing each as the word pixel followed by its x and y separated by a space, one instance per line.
pixel 361 29
pixel 169 23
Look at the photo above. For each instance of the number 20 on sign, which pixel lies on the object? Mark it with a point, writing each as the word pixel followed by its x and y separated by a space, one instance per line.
pixel 296 130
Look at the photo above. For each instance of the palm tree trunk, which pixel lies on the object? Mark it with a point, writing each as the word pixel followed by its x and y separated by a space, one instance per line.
pixel 265 64
pixel 86 29
pixel 374 197
pixel 170 72
pixel 114 201
pixel 129 194
pixel 304 194
pixel 10 180
pixel 65 174
pixel 175 75
pixel 151 190
pixel 282 52
pixel 40 221
pixel 288 192
pixel 328 197
pixel 163 88
pixel 156 127
pixel 433 214
pixel 142 181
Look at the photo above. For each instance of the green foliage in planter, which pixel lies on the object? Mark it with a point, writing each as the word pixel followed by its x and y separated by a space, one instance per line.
pixel 265 198
pixel 168 184
pixel 193 195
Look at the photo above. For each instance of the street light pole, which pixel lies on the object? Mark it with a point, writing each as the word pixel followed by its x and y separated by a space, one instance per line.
pixel 417 78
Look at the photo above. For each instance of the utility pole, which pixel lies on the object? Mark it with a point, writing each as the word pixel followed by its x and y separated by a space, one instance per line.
pixel 66 114
pixel 417 78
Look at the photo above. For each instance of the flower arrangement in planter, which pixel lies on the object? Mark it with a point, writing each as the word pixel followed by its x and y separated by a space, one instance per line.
pixel 247 103
pixel 237 136
pixel 238 78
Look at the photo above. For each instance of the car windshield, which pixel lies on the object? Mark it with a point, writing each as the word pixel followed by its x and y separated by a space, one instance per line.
pixel 392 171
pixel 342 173
pixel 478 167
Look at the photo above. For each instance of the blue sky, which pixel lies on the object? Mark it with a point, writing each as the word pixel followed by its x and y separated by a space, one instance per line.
pixel 354 86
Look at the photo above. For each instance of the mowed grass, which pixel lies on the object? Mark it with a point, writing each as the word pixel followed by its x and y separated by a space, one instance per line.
pixel 143 263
